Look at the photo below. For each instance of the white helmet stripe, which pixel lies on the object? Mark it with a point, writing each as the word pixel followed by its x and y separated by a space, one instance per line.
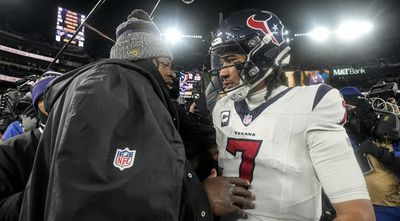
pixel 280 55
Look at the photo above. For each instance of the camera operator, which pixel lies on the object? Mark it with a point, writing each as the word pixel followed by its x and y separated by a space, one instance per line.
pixel 16 111
pixel 380 166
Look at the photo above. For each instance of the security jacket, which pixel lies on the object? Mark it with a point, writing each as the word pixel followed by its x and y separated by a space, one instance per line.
pixel 111 150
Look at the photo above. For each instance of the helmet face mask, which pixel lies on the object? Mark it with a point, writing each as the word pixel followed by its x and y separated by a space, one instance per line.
pixel 256 34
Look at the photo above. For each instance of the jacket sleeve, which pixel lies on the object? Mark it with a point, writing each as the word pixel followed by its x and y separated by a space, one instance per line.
pixel 197 132
pixel 16 159
pixel 116 154
pixel 10 207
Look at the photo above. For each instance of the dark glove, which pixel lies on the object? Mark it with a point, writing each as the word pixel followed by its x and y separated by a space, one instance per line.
pixel 369 147
pixel 228 195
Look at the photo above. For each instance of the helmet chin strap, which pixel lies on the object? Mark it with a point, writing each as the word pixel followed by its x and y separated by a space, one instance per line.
pixel 241 92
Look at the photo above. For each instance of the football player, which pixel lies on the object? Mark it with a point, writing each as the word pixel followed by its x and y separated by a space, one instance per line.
pixel 288 142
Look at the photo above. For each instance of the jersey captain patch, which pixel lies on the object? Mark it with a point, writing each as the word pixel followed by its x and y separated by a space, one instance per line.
pixel 225 115
pixel 124 158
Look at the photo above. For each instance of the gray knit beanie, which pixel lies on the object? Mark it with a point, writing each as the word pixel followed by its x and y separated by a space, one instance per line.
pixel 139 38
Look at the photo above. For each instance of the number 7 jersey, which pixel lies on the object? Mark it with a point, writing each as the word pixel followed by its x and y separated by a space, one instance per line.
pixel 287 147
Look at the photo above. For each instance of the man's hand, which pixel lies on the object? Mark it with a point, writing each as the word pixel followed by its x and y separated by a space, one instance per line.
pixel 369 147
pixel 228 195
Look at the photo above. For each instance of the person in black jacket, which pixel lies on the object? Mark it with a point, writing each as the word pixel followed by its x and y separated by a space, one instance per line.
pixel 111 148
pixel 17 155
pixel 386 157
pixel 362 121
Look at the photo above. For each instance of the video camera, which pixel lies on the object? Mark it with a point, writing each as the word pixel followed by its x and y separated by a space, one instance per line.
pixel 371 117
pixel 383 90
pixel 14 101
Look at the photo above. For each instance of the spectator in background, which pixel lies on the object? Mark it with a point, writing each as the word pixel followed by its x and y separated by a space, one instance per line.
pixel 314 77
pixel 111 148
pixel 17 155
pixel 325 75
pixel 298 78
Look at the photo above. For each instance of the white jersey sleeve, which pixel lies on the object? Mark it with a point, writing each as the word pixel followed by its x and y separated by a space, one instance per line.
pixel 331 152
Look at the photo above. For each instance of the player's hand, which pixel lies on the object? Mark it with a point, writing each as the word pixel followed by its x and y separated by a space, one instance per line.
pixel 228 195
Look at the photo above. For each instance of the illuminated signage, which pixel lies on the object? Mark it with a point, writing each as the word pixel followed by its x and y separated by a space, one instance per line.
pixel 348 71
pixel 187 83
pixel 67 23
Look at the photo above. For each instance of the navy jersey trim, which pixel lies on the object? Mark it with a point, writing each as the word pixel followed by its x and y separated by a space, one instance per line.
pixel 243 110
pixel 322 90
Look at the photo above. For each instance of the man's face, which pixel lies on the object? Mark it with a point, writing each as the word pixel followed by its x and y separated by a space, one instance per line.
pixel 165 69
pixel 230 75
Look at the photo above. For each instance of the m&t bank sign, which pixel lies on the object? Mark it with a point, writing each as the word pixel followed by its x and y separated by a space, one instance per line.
pixel 348 71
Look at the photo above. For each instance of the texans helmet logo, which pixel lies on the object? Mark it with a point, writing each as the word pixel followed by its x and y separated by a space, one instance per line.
pixel 272 27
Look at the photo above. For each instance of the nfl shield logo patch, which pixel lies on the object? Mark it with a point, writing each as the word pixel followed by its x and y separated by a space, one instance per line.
pixel 124 158
pixel 247 119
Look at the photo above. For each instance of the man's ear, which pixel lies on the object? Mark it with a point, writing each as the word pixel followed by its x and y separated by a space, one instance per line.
pixel 156 62
pixel 41 107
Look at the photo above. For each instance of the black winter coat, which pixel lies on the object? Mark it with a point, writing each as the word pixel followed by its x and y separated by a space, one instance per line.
pixel 81 171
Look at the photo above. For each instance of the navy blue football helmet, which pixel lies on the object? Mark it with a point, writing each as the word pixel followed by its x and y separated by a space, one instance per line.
pixel 257 34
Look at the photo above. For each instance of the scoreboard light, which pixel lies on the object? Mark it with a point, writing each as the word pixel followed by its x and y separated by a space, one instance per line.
pixel 188 83
pixel 67 23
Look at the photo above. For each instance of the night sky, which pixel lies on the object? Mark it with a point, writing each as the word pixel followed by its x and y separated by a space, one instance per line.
pixel 200 17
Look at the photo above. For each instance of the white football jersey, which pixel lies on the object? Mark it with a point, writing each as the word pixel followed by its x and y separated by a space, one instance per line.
pixel 287 147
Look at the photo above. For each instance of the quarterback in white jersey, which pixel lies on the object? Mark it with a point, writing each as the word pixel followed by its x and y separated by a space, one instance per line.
pixel 288 142
pixel 286 147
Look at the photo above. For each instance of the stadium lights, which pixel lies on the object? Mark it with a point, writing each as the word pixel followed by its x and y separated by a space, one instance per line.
pixel 173 35
pixel 346 31
pixel 192 36
pixel 353 29
pixel 320 34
